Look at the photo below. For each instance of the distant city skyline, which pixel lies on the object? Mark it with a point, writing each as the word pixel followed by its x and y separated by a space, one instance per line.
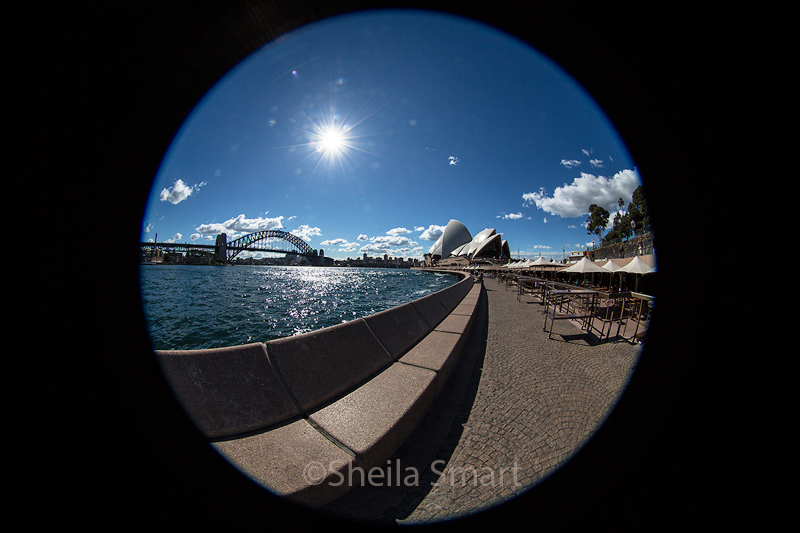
pixel 367 133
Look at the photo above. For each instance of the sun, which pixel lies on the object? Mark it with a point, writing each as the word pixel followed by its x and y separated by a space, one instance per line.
pixel 331 140
pixel 331 143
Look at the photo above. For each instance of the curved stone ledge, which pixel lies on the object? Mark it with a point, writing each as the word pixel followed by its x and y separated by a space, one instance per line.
pixel 299 414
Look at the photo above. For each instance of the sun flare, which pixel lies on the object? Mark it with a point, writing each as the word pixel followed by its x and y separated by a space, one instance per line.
pixel 331 140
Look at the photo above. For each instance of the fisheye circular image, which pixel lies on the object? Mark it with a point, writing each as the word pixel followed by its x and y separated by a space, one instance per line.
pixel 397 267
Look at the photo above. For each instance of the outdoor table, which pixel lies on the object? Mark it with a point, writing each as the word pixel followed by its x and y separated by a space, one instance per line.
pixel 635 311
pixel 537 285
pixel 639 315
pixel 584 301
pixel 613 310
pixel 522 282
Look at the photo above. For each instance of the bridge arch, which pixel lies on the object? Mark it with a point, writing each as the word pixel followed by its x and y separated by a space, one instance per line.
pixel 249 242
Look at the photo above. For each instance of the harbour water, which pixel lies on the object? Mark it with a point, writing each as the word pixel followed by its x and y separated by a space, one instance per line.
pixel 195 307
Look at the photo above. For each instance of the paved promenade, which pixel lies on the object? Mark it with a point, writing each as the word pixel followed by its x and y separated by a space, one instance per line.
pixel 516 407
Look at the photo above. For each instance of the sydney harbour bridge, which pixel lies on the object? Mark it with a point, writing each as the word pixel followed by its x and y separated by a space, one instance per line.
pixel 274 241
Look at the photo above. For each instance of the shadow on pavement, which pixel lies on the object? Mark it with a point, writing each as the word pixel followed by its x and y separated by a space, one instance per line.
pixel 435 439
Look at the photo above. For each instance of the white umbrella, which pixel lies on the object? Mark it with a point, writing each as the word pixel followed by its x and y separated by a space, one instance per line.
pixel 611 266
pixel 541 262
pixel 584 266
pixel 637 266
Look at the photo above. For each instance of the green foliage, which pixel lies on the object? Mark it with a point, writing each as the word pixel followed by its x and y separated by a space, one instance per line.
pixel 597 221
pixel 623 225
pixel 638 208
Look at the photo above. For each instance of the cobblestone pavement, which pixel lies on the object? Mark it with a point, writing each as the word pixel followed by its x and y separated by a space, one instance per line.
pixel 517 406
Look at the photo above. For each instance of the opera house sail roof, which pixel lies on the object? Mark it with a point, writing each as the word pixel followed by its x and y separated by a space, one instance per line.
pixel 455 235
pixel 485 243
pixel 456 241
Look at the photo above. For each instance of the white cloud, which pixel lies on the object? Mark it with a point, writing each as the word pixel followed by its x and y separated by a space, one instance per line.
pixel 195 236
pixel 587 151
pixel 432 233
pixel 512 216
pixel 179 191
pixel 344 244
pixel 398 231
pixel 596 163
pixel 349 247
pixel 453 160
pixel 305 232
pixel 394 241
pixel 149 226
pixel 291 217
pixel 241 224
pixel 362 237
pixel 545 220
pixel 419 228
pixel 379 247
pixel 570 163
pixel 574 200
pixel 176 238
pixel 572 226
pixel 541 246
pixel 333 242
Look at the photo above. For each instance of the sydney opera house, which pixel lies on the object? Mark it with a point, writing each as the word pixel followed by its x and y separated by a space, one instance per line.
pixel 459 246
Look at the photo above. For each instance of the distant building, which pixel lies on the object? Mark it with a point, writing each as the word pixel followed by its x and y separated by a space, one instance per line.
pixel 574 257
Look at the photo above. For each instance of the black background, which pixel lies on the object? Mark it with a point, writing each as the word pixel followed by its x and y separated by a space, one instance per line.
pixel 112 446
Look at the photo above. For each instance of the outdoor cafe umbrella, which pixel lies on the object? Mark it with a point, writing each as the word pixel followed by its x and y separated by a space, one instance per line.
pixel 637 266
pixel 612 268
pixel 540 262
pixel 584 266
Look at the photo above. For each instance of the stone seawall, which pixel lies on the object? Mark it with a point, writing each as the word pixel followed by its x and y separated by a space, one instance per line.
pixel 297 414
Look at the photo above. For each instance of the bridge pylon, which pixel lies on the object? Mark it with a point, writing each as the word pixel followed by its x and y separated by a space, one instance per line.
pixel 221 247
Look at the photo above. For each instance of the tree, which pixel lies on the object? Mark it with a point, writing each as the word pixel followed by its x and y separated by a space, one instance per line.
pixel 612 236
pixel 597 221
pixel 622 223
pixel 638 208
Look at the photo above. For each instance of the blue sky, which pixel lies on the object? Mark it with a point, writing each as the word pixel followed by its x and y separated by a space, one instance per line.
pixel 369 132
